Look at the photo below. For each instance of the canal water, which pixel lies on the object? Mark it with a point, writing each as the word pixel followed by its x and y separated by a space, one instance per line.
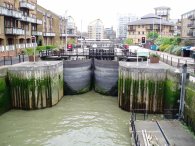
pixel 89 119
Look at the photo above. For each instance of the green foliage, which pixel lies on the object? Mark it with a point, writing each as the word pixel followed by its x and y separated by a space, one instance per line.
pixel 71 41
pixel 171 94
pixel 154 55
pixel 29 51
pixel 168 41
pixel 188 43
pixel 50 47
pixel 128 41
pixel 5 103
pixel 163 47
pixel 152 35
pixel 41 48
pixel 169 49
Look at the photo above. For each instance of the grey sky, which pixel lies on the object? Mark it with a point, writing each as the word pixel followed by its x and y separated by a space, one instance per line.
pixel 106 10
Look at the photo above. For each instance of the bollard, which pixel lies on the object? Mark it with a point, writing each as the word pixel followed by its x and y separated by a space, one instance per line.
pixel 19 58
pixel 4 60
pixel 11 59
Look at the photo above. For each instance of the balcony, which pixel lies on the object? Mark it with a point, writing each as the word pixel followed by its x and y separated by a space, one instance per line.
pixel 28 33
pixel 2 48
pixel 40 22
pixel 14 31
pixel 10 13
pixel 29 19
pixel 31 45
pixel 37 33
pixel 10 48
pixel 68 35
pixel 24 4
pixel 49 34
pixel 191 33
pixel 131 29
pixel 20 46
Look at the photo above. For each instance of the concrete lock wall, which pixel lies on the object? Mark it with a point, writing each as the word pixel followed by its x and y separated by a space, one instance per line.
pixel 106 77
pixel 77 76
pixel 144 88
pixel 5 103
pixel 36 85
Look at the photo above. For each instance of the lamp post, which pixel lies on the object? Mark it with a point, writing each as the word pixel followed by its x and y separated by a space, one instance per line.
pixel 66 23
pixel 34 38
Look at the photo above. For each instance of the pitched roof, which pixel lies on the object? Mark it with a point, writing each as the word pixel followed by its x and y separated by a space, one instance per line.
pixel 151 19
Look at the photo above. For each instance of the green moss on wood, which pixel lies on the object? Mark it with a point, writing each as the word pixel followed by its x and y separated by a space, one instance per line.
pixel 5 103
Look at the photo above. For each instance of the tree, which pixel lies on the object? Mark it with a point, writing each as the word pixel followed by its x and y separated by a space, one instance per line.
pixel 152 35
pixel 71 41
pixel 128 41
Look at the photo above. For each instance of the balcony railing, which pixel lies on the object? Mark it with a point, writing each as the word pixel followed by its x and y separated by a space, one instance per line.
pixel 68 35
pixel 31 45
pixel 2 48
pixel 11 13
pixel 24 4
pixel 37 33
pixel 20 46
pixel 49 34
pixel 40 22
pixel 14 31
pixel 28 33
pixel 131 29
pixel 29 19
pixel 10 48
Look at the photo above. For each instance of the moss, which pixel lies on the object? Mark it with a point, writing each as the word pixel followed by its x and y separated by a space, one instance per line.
pixel 132 93
pixel 27 93
pixel 172 93
pixel 189 111
pixel 5 103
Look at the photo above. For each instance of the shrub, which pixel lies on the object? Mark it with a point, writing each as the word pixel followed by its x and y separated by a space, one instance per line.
pixel 154 55
pixel 41 48
pixel 50 47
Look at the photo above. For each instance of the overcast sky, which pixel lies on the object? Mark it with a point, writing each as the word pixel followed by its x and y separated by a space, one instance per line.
pixel 85 11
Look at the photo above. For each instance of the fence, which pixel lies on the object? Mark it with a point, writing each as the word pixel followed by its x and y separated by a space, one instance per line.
pixel 10 60
pixel 177 62
pixel 135 135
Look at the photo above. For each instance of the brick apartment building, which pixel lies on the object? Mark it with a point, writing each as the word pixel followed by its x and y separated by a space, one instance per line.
pixel 22 19
pixel 188 26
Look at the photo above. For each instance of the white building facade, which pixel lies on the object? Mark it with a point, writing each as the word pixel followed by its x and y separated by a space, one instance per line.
pixel 96 30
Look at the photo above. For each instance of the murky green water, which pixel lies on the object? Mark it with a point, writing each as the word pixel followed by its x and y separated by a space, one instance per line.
pixel 84 120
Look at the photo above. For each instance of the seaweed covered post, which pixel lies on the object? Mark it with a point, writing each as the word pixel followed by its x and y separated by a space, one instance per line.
pixel 36 85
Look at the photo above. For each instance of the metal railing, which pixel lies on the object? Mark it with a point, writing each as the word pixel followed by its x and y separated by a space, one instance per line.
pixel 177 62
pixel 10 60
pixel 135 134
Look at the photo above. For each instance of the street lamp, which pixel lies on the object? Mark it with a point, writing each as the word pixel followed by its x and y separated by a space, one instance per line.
pixel 34 38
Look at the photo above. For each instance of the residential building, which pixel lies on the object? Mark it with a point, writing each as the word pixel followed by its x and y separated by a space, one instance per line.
pixel 163 12
pixel 17 19
pixel 109 33
pixel 123 20
pixel 96 30
pixel 149 23
pixel 188 26
pixel 22 22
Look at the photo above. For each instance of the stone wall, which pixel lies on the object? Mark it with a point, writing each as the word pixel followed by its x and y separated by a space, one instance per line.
pixel 77 76
pixel 36 85
pixel 106 77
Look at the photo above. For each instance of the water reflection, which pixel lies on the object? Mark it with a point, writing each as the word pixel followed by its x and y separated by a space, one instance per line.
pixel 83 120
